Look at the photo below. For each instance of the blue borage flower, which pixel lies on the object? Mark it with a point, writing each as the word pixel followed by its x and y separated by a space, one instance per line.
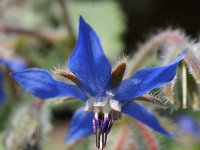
pixel 105 100
pixel 13 65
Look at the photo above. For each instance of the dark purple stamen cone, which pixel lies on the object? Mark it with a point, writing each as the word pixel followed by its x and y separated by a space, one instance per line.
pixel 94 126
pixel 97 122
pixel 105 123
pixel 109 126
pixel 102 124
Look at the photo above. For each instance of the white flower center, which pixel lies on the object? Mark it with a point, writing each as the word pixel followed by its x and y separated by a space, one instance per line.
pixel 102 104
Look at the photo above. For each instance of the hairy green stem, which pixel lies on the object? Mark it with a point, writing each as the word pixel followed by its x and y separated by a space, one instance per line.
pixel 172 37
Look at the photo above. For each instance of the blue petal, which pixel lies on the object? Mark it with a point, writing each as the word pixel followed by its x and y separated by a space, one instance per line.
pixel 40 83
pixel 2 94
pixel 145 116
pixel 145 80
pixel 14 64
pixel 89 63
pixel 81 126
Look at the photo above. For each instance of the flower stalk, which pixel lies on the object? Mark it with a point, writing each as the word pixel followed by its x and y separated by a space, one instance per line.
pixel 147 135
pixel 173 37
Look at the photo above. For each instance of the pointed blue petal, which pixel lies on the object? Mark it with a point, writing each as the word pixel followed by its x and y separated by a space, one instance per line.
pixel 145 116
pixel 2 94
pixel 14 64
pixel 40 83
pixel 89 63
pixel 80 126
pixel 145 80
